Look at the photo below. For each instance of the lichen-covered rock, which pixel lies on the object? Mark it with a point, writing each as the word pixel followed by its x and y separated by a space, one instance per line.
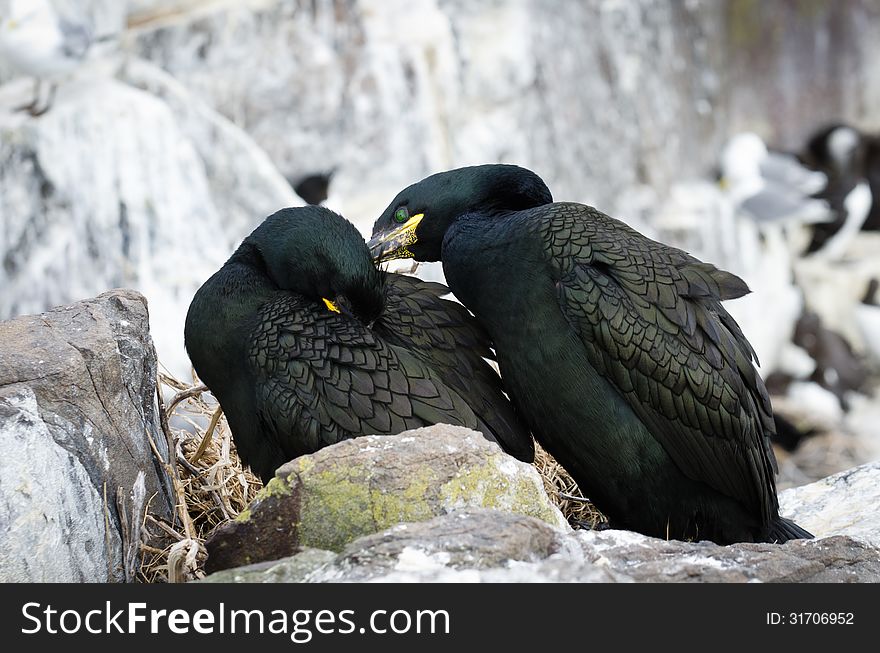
pixel 365 485
pixel 466 545
pixel 471 539
pixel 490 546
pixel 77 406
pixel 476 545
pixel 842 504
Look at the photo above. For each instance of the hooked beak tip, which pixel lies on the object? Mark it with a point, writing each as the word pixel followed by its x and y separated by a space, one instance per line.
pixel 378 249
pixel 395 244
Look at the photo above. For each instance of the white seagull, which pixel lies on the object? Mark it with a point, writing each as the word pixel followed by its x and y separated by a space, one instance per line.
pixel 36 41
pixel 771 187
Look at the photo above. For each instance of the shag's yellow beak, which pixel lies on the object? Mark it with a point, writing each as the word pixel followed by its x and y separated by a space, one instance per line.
pixel 395 244
pixel 330 305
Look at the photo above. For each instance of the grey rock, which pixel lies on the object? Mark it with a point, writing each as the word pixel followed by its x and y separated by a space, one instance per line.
pixel 491 546
pixel 364 485
pixel 644 559
pixel 463 546
pixel 842 504
pixel 478 545
pixel 77 405
pixel 293 569
pixel 141 11
pixel 451 547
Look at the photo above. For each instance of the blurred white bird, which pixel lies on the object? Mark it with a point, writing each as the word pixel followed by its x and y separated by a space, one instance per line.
pixel 36 41
pixel 771 187
pixel 746 225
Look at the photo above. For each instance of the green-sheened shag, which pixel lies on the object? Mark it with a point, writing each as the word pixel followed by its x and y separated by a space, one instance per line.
pixel 614 348
pixel 305 343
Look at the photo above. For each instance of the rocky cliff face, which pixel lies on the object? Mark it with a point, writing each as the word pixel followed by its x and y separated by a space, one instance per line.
pixel 119 186
pixel 600 98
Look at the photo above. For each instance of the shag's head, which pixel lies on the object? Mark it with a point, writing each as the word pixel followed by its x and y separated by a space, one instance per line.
pixel 415 222
pixel 317 253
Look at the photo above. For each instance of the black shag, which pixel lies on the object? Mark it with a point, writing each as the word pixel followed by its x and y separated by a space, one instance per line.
pixel 847 157
pixel 615 349
pixel 305 343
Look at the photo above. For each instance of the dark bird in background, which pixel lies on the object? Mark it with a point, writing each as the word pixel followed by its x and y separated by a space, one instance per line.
pixel 789 435
pixel 839 369
pixel 870 298
pixel 305 343
pixel 871 166
pixel 851 162
pixel 615 349
pixel 314 188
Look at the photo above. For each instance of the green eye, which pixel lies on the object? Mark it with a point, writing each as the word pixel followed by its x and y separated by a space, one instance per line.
pixel 401 215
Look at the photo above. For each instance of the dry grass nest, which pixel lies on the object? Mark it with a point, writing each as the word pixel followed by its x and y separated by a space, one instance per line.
pixel 212 487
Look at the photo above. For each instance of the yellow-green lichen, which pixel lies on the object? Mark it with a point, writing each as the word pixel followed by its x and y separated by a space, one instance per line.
pixel 244 515
pixel 342 503
pixel 488 487
pixel 341 506
pixel 336 509
pixel 305 464
pixel 409 505
pixel 274 488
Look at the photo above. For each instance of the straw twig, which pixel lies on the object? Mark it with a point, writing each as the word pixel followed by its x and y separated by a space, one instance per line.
pixel 564 492
pixel 210 485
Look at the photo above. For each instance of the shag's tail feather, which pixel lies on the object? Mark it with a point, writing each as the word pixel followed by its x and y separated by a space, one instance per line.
pixel 783 530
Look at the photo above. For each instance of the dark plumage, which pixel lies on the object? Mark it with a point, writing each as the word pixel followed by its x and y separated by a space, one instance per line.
pixel 847 157
pixel 294 374
pixel 313 189
pixel 614 348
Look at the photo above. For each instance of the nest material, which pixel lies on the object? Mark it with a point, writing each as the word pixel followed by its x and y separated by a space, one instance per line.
pixel 564 492
pixel 210 483
pixel 212 487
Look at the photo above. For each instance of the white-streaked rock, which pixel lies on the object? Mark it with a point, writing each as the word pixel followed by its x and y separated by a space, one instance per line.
pixel 385 92
pixel 53 517
pixel 116 186
pixel 842 504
